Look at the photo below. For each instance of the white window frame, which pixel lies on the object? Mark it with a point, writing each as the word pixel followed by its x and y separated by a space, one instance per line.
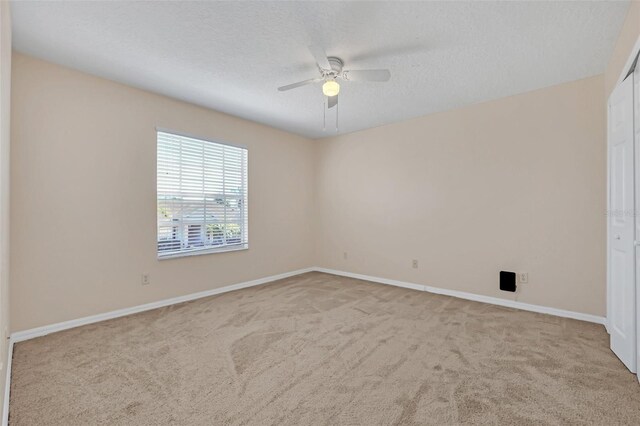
pixel 243 245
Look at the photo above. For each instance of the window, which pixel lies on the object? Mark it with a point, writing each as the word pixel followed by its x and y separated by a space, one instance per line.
pixel 202 196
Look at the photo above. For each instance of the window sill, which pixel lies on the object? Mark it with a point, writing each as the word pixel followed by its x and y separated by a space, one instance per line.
pixel 199 252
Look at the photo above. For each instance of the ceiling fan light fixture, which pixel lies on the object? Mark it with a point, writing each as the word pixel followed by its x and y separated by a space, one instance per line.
pixel 331 88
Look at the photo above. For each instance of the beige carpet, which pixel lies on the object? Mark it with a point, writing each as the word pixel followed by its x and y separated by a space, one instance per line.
pixel 321 349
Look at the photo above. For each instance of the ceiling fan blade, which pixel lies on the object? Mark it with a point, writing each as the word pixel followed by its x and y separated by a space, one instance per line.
pixel 320 56
pixel 367 75
pixel 333 101
pixel 298 84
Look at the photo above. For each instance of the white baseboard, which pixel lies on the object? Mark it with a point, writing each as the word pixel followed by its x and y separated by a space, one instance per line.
pixel 471 296
pixel 20 336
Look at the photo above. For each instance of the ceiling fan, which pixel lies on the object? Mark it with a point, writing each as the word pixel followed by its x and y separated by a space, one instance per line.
pixel 331 70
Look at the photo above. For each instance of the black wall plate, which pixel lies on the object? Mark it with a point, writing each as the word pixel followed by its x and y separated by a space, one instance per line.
pixel 507 281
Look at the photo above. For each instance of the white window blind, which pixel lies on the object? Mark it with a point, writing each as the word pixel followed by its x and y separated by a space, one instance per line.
pixel 202 196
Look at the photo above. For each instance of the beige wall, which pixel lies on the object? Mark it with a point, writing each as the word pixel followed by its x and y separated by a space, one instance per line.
pixel 514 184
pixel 626 40
pixel 83 202
pixel 5 104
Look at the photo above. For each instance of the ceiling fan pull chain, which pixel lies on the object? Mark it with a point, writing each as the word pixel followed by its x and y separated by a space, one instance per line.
pixel 324 114
pixel 337 113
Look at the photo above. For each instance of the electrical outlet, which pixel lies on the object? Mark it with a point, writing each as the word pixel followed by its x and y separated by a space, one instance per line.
pixel 345 255
pixel 145 279
pixel 415 263
pixel 523 277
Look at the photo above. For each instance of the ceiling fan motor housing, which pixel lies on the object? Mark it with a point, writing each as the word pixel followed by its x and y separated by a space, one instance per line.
pixel 336 66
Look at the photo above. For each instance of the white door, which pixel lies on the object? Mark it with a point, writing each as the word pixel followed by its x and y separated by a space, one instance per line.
pixel 622 294
pixel 636 121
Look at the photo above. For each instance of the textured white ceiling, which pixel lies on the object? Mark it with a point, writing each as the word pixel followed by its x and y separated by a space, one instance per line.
pixel 232 56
